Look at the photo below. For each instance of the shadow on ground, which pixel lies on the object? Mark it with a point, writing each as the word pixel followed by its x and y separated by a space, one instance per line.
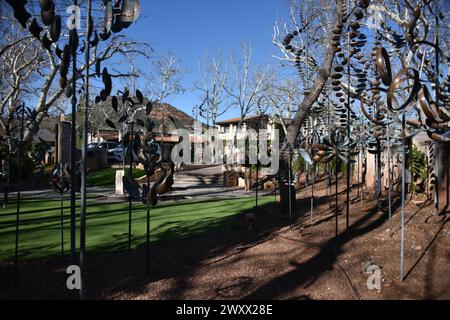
pixel 115 275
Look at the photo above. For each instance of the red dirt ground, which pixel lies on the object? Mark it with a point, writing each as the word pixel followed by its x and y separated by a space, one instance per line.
pixel 275 261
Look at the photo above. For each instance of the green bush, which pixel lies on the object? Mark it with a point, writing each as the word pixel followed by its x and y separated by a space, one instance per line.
pixel 298 164
pixel 417 163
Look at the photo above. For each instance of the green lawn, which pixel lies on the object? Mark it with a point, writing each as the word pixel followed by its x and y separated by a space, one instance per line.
pixel 107 224
pixel 107 177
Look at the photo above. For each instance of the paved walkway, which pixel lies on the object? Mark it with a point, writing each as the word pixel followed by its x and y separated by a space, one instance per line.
pixel 183 189
pixel 180 192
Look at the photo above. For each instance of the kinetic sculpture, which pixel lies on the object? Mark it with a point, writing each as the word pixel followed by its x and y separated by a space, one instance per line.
pixel 60 182
pixel 141 147
pixel 394 104
pixel 416 98
pixel 16 149
pixel 117 17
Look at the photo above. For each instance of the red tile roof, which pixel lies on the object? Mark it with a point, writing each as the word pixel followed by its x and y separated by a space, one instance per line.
pixel 247 119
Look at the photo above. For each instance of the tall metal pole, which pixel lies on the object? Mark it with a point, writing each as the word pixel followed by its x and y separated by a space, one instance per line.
pixel 290 190
pixel 313 178
pixel 130 199
pixel 389 178
pixel 306 178
pixel 379 191
pixel 275 189
pixel 377 166
pixel 436 88
pixel 84 153
pixel 329 169
pixel 437 180
pixel 18 154
pixel 61 199
pixel 329 184
pixel 336 200
pixel 257 184
pixel 359 171
pixel 402 245
pixel 148 228
pixel 257 168
pixel 347 217
pixel 73 153
pixel 363 158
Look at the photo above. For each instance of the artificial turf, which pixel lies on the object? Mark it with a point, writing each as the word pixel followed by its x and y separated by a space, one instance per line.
pixel 107 224
pixel 107 177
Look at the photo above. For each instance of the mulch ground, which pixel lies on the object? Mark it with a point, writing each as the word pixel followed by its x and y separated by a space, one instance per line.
pixel 274 259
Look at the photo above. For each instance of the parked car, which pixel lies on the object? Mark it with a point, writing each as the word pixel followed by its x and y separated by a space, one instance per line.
pixel 116 154
pixel 115 150
pixel 92 145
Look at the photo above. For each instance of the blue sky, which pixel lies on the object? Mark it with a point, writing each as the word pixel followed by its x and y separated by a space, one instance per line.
pixel 190 28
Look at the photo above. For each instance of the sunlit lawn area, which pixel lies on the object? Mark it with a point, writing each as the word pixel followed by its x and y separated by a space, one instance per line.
pixel 107 224
pixel 107 177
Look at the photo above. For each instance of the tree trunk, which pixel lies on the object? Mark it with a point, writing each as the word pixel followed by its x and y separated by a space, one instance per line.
pixel 319 82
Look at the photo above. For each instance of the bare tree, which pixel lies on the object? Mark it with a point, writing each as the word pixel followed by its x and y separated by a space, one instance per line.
pixel 312 33
pixel 212 86
pixel 280 97
pixel 246 83
pixel 163 80
pixel 28 68
pixel 20 66
pixel 313 37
